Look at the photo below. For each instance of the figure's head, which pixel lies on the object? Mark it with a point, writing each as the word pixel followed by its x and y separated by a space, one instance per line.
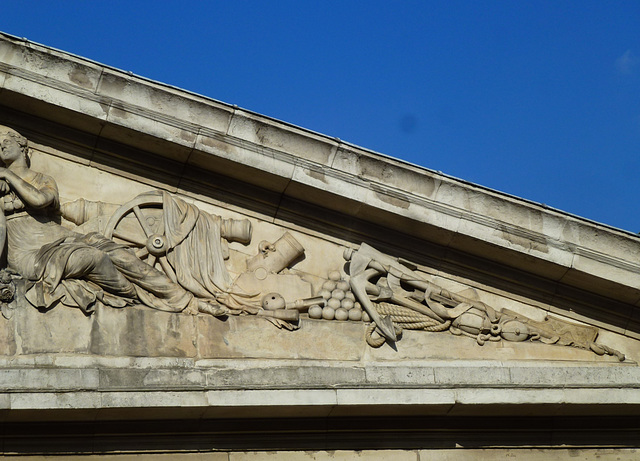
pixel 13 146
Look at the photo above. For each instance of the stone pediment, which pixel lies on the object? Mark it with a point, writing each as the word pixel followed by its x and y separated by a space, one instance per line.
pixel 531 297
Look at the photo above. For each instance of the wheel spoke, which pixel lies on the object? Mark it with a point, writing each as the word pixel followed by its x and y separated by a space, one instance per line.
pixel 164 262
pixel 160 224
pixel 142 220
pixel 152 260
pixel 129 238
pixel 142 253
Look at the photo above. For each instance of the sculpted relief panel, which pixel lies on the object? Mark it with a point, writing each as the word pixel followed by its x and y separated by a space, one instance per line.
pixel 169 255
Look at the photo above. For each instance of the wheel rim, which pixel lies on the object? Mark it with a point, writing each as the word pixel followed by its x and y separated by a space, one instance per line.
pixel 154 247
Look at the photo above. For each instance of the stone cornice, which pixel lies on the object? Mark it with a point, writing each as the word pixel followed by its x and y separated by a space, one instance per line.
pixel 215 387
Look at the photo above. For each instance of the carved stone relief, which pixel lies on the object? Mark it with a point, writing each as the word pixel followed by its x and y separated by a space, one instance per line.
pixel 401 298
pixel 162 252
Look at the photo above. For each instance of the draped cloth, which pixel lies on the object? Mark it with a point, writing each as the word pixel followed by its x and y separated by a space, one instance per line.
pixel 197 254
pixel 84 270
pixel 196 249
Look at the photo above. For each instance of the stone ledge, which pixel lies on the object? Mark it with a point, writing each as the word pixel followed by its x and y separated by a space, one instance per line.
pixel 325 402
pixel 321 376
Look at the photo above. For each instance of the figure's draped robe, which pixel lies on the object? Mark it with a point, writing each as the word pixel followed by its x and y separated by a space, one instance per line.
pixel 79 270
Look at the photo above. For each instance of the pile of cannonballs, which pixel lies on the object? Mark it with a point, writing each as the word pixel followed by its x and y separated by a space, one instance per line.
pixel 340 302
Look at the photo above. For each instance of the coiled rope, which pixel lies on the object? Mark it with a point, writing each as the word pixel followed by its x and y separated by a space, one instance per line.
pixel 403 318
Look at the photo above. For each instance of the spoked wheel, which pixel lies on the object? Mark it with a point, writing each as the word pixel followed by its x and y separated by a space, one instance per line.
pixel 140 223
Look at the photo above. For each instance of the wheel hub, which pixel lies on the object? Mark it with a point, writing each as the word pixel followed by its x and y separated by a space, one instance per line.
pixel 157 245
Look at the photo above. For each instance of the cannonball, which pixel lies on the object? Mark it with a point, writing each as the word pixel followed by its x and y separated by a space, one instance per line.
pixel 357 305
pixel 326 294
pixel 355 315
pixel 273 301
pixel 341 314
pixel 346 303
pixel 328 313
pixel 343 285
pixel 315 312
pixel 337 294
pixel 329 285
pixel 333 303
pixel 349 294
pixel 365 317
pixel 334 276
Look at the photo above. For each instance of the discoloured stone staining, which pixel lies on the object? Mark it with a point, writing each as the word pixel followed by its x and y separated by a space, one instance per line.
pixel 80 77
pixel 118 113
pixel 316 173
pixel 392 199
pixel 523 241
pixel 371 168
pixel 188 136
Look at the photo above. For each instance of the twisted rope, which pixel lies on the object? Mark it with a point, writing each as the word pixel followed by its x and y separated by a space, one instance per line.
pixel 402 318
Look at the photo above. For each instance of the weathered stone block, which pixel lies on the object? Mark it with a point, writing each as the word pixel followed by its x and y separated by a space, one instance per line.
pixel 424 345
pixel 122 378
pixel 145 399
pixel 143 332
pixel 395 397
pixel 530 454
pixel 44 379
pixel 339 455
pixel 623 376
pixel 250 337
pixel 274 376
pixel 62 329
pixel 271 398
pixel 53 400
pixel 465 376
pixel 399 375
pixel 7 337
pixel 175 378
pixel 147 378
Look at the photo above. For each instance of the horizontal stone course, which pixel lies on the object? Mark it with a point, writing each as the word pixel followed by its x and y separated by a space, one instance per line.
pixel 42 379
pixel 315 375
pixel 298 376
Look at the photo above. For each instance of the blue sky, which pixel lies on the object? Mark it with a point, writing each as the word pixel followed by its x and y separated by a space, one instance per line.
pixel 536 99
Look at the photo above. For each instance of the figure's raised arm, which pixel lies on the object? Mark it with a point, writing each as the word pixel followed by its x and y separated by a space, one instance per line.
pixel 33 190
pixel 35 196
